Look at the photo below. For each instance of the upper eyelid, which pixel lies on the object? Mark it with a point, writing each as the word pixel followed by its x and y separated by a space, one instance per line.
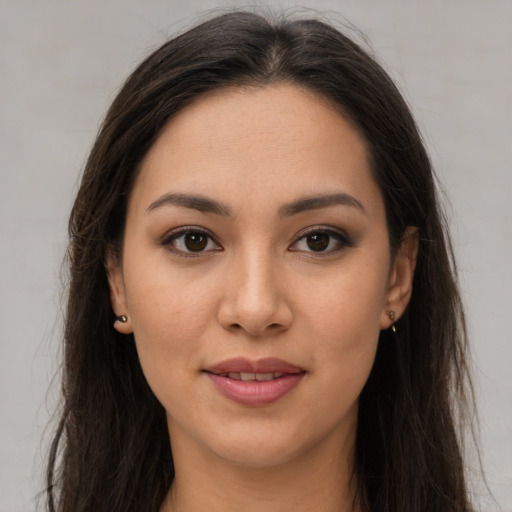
pixel 167 241
pixel 302 232
pixel 182 230
pixel 343 238
pixel 321 229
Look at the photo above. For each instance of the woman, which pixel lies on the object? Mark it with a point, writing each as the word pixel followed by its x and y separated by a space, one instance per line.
pixel 263 309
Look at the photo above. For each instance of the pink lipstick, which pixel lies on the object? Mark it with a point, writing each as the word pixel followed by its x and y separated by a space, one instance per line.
pixel 260 382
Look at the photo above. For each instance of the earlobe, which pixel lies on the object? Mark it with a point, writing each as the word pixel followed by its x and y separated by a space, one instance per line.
pixel 118 301
pixel 401 278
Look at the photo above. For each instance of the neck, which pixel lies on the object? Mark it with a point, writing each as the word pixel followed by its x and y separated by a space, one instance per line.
pixel 319 480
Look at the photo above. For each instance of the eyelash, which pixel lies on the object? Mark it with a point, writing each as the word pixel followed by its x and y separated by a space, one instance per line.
pixel 342 239
pixel 181 232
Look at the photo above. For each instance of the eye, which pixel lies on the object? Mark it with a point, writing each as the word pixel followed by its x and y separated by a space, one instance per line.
pixel 321 241
pixel 189 241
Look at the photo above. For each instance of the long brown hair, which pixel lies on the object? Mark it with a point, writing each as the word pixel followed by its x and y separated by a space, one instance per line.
pixel 111 451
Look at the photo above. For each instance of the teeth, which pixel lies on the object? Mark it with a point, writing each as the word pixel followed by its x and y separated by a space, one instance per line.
pixel 248 376
pixel 264 376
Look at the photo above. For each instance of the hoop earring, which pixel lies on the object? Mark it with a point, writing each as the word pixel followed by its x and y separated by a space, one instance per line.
pixel 122 318
pixel 392 315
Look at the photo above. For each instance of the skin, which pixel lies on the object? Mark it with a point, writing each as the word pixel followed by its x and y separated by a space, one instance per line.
pixel 259 290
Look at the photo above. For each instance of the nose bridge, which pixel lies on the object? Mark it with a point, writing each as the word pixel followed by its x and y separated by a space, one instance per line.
pixel 254 300
pixel 256 283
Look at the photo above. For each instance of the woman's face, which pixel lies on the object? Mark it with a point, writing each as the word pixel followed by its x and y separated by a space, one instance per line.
pixel 256 274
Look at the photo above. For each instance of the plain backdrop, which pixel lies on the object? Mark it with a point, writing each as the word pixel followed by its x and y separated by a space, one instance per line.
pixel 60 65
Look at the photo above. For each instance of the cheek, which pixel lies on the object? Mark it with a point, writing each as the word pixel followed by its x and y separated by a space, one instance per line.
pixel 169 317
pixel 347 305
pixel 343 320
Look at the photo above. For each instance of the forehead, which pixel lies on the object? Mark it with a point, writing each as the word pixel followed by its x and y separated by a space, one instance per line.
pixel 277 141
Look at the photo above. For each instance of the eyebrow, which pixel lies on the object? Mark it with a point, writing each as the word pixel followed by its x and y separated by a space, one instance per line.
pixel 195 202
pixel 320 201
pixel 207 205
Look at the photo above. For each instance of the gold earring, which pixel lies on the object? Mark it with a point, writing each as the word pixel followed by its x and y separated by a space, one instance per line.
pixel 122 318
pixel 391 315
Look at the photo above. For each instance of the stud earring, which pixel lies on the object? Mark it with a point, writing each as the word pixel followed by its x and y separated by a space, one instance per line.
pixel 122 318
pixel 392 315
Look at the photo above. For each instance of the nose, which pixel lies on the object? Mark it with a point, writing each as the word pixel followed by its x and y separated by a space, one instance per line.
pixel 255 300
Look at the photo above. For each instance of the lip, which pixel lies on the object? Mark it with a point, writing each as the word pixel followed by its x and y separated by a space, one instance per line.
pixel 266 365
pixel 254 392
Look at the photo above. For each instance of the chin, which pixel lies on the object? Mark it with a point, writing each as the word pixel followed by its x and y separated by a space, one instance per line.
pixel 271 446
pixel 258 456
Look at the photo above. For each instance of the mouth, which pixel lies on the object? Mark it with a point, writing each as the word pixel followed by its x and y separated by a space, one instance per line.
pixel 248 369
pixel 255 383
pixel 249 376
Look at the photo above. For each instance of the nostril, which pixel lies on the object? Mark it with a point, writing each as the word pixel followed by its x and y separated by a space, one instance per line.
pixel 255 331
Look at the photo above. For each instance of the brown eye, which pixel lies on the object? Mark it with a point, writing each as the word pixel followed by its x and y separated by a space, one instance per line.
pixel 322 241
pixel 192 242
pixel 196 242
pixel 318 241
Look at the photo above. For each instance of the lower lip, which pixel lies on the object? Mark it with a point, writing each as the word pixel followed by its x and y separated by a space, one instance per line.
pixel 255 392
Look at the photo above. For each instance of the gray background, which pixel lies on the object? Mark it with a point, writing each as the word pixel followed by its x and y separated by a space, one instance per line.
pixel 60 65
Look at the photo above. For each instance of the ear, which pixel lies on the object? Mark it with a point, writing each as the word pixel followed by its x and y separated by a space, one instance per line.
pixel 401 278
pixel 118 292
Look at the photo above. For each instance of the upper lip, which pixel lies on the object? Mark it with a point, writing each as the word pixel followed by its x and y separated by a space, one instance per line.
pixel 266 365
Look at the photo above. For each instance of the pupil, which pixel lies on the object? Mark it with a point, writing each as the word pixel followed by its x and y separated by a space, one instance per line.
pixel 318 241
pixel 195 241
